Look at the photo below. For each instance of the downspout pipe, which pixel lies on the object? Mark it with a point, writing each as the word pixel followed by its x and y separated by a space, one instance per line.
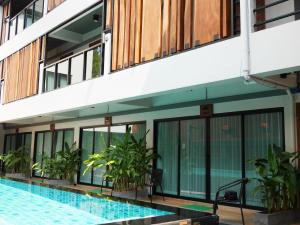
pixel 245 38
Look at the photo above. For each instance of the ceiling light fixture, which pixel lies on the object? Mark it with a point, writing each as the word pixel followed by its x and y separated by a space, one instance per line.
pixel 96 18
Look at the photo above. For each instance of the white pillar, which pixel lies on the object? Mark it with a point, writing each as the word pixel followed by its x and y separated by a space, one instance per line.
pixel 45 7
pixel 246 29
pixel 107 53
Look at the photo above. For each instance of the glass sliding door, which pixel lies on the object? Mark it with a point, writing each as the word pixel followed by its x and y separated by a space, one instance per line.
pixel 167 149
pixel 261 130
pixel 225 151
pixel 192 158
pixel 101 139
pixel 87 143
pixel 39 150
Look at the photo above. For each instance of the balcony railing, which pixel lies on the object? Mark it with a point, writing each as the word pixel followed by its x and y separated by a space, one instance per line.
pixel 79 67
pixel 275 13
pixel 29 15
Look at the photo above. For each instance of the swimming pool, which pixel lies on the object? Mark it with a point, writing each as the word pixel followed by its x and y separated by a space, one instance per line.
pixel 28 204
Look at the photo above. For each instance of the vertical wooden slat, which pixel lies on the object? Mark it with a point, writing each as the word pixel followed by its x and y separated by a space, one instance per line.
pixel 188 23
pixel 207 21
pixel 226 19
pixel 132 38
pixel 127 33
pixel 52 4
pixel 108 22
pixel 115 35
pixel 151 29
pixel 180 24
pixel 173 27
pixel 21 72
pixel 6 9
pixel 121 43
pixel 138 31
pixel 166 28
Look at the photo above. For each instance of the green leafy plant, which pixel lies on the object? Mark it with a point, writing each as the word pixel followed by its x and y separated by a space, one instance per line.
pixel 128 162
pixel 278 179
pixel 17 161
pixel 64 164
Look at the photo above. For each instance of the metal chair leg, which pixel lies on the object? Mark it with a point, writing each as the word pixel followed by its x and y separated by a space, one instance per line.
pixel 162 191
pixel 242 213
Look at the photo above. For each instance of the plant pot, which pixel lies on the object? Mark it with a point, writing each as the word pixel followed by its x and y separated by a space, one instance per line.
pixel 16 175
pixel 278 218
pixel 131 194
pixel 57 182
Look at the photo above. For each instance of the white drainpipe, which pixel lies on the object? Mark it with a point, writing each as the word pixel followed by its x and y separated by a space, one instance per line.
pixel 245 36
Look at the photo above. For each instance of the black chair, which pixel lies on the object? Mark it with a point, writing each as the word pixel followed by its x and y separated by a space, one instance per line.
pixel 156 181
pixel 230 196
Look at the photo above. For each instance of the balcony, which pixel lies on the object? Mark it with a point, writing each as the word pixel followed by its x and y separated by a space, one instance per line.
pixel 272 13
pixel 25 18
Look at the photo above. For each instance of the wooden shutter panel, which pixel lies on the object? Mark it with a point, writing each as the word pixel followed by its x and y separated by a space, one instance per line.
pixel 151 29
pixel 207 21
pixel 166 28
pixel 188 23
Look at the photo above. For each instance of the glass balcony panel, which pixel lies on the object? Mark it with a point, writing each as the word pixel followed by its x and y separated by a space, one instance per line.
pixel 12 28
pixel 77 69
pixel 20 22
pixel 29 16
pixel 50 79
pixel 62 74
pixel 93 63
pixel 38 10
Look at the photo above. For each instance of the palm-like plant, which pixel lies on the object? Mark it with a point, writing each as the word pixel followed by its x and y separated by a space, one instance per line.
pixel 17 161
pixel 64 164
pixel 128 162
pixel 278 179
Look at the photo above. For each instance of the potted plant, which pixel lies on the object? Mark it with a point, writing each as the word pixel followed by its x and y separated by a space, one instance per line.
pixel 62 168
pixel 128 163
pixel 278 186
pixel 17 162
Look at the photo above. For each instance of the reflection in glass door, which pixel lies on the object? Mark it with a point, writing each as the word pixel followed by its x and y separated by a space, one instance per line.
pixel 226 151
pixel 261 130
pixel 101 137
pixel 192 158
pixel 167 149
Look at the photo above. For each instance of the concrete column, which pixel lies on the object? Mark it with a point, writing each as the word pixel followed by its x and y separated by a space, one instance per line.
pixel 107 53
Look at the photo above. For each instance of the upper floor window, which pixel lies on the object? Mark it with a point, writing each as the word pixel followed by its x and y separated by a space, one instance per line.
pixel 272 13
pixel 23 14
pixel 74 51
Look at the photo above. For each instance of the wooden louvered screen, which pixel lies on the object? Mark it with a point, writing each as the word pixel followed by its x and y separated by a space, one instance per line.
pixel 53 4
pixel 20 71
pixel 6 10
pixel 147 29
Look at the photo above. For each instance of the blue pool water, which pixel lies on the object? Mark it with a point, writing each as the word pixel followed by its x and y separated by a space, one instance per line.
pixel 26 204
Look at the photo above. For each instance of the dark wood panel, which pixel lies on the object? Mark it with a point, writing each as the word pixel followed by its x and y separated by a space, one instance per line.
pixel 180 24
pixel 226 18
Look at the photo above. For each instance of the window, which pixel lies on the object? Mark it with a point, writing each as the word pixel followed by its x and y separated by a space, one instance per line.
pixel 200 155
pixel 15 141
pixel 62 74
pixel 93 63
pixel 12 28
pixel 49 84
pixel 47 143
pixel 38 10
pixel 29 16
pixel 95 139
pixel 77 69
pixel 21 21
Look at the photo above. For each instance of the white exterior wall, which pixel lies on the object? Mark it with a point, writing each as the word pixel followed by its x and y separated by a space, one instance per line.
pixel 149 117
